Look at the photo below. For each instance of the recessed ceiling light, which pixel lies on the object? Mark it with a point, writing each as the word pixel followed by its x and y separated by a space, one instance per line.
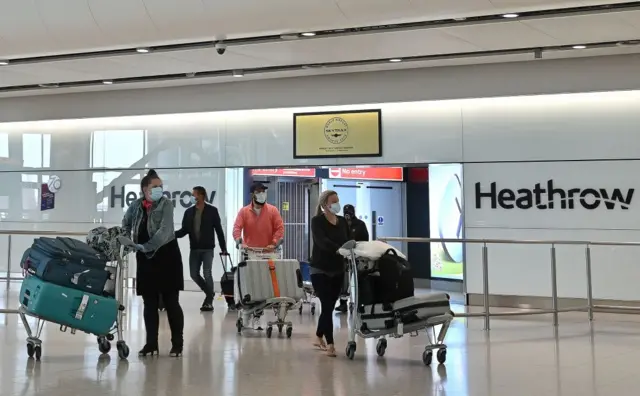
pixel 4 62
pixel 143 50
pixel 460 19
pixel 308 34
pixel 107 82
pixel 238 73
pixel 511 15
pixel 395 60
pixel 579 47
pixel 53 85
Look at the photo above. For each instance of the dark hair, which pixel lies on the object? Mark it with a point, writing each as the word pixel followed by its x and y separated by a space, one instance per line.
pixel 200 190
pixel 151 175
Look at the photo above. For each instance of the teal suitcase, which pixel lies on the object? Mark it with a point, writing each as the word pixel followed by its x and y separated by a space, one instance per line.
pixel 69 307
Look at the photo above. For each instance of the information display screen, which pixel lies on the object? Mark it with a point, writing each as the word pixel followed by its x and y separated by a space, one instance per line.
pixel 337 134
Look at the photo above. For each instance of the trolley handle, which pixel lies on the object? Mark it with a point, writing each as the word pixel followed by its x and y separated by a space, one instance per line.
pixel 224 257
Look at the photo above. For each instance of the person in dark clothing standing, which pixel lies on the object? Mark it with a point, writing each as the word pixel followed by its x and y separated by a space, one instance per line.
pixel 359 233
pixel 200 222
pixel 329 232
pixel 149 222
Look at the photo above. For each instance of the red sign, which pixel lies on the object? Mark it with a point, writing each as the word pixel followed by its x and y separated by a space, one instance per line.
pixel 291 172
pixel 389 174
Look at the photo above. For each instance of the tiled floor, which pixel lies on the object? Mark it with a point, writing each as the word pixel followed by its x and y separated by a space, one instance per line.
pixel 517 358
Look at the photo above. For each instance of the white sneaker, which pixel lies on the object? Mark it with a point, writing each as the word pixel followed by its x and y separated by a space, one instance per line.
pixel 256 323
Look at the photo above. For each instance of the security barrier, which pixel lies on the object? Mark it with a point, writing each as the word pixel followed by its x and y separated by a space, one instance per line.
pixel 487 314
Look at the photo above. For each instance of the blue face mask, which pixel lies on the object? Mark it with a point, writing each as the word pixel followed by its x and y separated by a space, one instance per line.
pixel 193 200
pixel 156 193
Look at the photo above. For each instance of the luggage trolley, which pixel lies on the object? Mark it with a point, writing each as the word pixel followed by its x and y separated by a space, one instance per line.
pixel 399 329
pixel 280 305
pixel 119 268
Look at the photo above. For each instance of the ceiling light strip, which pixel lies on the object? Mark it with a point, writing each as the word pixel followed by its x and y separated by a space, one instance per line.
pixel 302 67
pixel 375 29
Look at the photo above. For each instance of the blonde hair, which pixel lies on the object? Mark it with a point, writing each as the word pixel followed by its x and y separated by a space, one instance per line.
pixel 322 201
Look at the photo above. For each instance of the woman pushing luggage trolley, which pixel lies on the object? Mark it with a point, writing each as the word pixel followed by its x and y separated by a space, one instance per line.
pixel 264 280
pixel 406 315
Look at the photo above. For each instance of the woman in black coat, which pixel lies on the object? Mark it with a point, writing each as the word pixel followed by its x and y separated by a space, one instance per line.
pixel 149 221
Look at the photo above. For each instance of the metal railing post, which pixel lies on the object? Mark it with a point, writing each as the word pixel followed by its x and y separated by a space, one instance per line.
pixel 554 285
pixel 9 241
pixel 587 255
pixel 485 286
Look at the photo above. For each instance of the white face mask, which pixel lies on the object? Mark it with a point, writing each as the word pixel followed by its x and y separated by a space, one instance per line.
pixel 335 208
pixel 261 197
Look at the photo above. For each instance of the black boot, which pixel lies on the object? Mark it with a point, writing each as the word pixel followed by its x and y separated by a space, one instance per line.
pixel 176 350
pixel 342 308
pixel 148 349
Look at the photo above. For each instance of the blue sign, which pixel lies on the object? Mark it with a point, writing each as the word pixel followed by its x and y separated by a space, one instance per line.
pixel 380 220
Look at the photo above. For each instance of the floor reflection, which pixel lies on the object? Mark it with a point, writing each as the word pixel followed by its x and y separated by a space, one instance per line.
pixel 518 357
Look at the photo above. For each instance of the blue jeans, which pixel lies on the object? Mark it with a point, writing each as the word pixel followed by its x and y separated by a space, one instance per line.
pixel 202 258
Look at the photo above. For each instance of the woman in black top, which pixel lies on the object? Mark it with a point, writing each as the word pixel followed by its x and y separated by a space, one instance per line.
pixel 329 232
pixel 149 221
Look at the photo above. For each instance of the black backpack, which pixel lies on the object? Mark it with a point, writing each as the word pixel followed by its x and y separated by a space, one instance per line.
pixel 394 282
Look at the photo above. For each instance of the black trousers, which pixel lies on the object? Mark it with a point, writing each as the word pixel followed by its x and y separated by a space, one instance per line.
pixel 327 289
pixel 175 315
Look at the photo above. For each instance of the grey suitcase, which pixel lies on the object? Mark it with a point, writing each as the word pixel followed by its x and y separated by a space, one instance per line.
pixel 255 280
pixel 410 310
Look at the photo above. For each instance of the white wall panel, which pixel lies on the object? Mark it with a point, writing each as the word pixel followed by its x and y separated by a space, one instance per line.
pixel 524 270
pixel 418 132
pixel 263 137
pixel 552 127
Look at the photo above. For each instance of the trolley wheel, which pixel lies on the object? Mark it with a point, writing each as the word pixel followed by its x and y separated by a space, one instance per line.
pixel 351 308
pixel 104 345
pixel 381 348
pixel 38 352
pixel 441 355
pixel 30 350
pixel 351 350
pixel 280 327
pixel 269 331
pixel 427 357
pixel 300 309
pixel 289 332
pixel 313 310
pixel 239 325
pixel 123 350
pixel 110 337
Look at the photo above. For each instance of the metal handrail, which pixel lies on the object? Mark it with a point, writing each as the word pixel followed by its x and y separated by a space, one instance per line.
pixel 508 241
pixel 555 310
pixel 22 232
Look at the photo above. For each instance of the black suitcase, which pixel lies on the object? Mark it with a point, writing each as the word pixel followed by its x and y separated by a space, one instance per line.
pixel 226 281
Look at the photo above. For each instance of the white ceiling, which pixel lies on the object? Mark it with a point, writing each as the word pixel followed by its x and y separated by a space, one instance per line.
pixel 47 27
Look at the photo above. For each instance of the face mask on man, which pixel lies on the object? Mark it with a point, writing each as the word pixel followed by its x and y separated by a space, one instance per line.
pixel 335 208
pixel 156 193
pixel 260 197
pixel 193 200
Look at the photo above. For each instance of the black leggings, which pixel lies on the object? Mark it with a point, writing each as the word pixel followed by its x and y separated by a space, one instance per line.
pixel 327 289
pixel 175 315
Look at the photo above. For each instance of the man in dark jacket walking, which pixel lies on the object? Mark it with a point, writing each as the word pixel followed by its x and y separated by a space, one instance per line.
pixel 359 233
pixel 200 222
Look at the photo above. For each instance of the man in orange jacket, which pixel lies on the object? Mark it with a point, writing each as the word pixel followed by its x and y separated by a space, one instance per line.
pixel 259 224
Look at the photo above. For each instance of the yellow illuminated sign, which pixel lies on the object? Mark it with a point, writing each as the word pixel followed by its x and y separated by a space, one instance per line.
pixel 344 134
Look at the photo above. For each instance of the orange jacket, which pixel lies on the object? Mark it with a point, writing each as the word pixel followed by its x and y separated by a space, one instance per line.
pixel 259 231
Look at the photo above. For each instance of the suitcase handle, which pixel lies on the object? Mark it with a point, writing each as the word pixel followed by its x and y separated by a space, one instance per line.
pixel 224 262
